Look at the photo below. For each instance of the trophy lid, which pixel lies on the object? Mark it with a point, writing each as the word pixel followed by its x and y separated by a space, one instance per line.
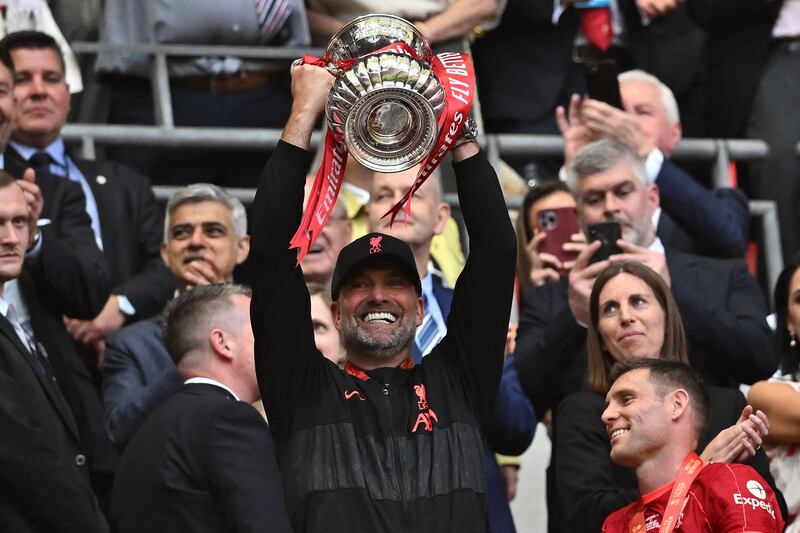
pixel 366 34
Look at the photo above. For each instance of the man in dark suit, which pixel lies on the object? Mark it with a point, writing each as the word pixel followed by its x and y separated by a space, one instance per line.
pixel 43 469
pixel 722 308
pixel 203 460
pixel 64 273
pixel 126 221
pixel 205 237
pixel 690 217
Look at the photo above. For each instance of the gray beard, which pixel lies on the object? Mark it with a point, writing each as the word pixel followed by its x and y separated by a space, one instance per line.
pixel 356 341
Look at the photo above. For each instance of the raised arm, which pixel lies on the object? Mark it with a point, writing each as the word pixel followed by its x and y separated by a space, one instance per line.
pixel 280 309
pixel 719 219
pixel 478 320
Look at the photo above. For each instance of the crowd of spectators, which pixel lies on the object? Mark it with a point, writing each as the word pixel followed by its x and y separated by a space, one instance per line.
pixel 127 358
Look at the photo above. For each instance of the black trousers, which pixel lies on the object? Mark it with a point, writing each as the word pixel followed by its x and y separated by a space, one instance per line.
pixel 775 118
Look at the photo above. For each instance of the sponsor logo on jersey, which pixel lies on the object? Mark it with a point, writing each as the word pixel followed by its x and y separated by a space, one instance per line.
pixel 756 489
pixel 756 502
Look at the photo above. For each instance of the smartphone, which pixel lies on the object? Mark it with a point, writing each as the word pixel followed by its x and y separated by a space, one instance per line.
pixel 608 233
pixel 602 83
pixel 559 224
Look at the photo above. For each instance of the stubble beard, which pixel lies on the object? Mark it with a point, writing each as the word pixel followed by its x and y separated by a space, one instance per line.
pixel 357 341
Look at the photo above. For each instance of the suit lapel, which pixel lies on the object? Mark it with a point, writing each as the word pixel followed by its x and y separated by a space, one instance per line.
pixel 51 389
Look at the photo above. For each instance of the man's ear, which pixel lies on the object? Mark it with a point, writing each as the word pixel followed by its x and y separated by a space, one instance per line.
pixel 675 134
pixel 220 343
pixel 420 311
pixel 336 315
pixel 164 254
pixel 242 249
pixel 442 216
pixel 653 198
pixel 680 403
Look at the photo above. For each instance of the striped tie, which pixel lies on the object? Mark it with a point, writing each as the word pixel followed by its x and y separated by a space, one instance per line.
pixel 271 16
pixel 429 333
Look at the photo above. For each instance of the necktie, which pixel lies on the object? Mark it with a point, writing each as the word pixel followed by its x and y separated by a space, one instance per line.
pixel 34 349
pixel 430 332
pixel 596 25
pixel 40 162
pixel 271 16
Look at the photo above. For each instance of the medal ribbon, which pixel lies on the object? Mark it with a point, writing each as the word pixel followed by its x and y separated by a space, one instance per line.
pixel 691 467
pixel 455 73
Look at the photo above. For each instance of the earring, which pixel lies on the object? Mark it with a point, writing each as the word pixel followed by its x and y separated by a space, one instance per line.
pixel 792 340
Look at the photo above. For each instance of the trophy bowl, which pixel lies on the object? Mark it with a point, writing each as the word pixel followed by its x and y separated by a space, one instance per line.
pixel 364 35
pixel 384 105
pixel 386 108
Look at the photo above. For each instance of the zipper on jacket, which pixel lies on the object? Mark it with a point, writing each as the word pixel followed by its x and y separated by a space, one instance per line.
pixel 401 486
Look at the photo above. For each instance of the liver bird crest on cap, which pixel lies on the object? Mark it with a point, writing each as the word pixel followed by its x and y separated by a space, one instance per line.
pixel 375 245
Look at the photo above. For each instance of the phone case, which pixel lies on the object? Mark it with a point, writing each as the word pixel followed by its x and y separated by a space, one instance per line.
pixel 559 224
pixel 608 233
pixel 602 84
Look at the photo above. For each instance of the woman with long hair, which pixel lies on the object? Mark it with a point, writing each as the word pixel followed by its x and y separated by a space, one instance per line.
pixel 780 396
pixel 633 315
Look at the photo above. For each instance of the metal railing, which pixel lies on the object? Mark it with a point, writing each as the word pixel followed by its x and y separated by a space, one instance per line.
pixel 165 134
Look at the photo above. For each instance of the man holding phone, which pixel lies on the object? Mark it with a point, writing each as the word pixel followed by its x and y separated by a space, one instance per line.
pixel 722 307
pixel 691 217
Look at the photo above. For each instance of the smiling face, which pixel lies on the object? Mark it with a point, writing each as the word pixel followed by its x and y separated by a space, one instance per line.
pixel 42 94
pixel 13 232
pixel 637 420
pixel 630 321
pixel 377 312
pixel 203 232
pixel 618 194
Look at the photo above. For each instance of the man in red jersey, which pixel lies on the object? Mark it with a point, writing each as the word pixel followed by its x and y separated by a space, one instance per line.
pixel 656 411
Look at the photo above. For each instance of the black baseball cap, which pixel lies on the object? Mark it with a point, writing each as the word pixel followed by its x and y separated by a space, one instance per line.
pixel 373 247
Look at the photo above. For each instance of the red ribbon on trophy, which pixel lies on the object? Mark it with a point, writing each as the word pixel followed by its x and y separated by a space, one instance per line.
pixel 456 74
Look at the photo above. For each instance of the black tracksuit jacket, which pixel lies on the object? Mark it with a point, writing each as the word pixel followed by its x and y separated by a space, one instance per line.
pixel 391 449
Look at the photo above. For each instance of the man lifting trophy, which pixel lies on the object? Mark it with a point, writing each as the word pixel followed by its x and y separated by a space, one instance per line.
pixel 394 105
pixel 384 444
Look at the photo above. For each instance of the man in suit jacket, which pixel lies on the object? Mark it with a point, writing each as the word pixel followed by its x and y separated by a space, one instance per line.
pixel 43 469
pixel 690 217
pixel 722 308
pixel 126 221
pixel 203 460
pixel 205 237
pixel 63 274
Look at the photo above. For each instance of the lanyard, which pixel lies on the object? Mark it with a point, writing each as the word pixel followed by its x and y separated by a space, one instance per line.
pixel 690 468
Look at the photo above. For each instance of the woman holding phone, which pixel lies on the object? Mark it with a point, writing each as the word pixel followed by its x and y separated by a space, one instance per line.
pixel 633 315
pixel 548 237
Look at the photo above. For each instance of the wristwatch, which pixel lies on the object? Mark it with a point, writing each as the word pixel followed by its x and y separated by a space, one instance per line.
pixel 469 133
pixel 125 306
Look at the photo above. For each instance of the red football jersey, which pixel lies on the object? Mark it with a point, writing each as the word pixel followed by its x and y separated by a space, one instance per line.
pixel 724 498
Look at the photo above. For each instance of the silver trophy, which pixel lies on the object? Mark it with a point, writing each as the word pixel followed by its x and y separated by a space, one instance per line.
pixel 385 105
